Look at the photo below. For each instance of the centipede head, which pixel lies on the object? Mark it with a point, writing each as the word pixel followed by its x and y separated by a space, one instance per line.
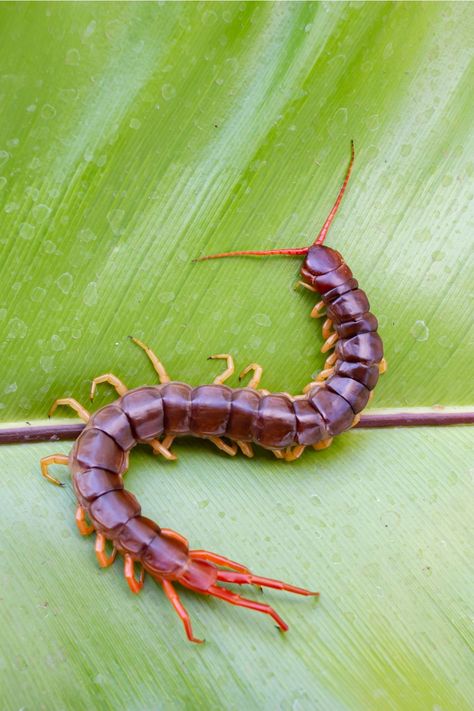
pixel 313 249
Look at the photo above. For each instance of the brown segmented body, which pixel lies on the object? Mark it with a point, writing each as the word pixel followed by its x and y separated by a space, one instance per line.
pixel 277 422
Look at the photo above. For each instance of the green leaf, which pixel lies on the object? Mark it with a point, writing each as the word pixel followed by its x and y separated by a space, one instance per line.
pixel 136 136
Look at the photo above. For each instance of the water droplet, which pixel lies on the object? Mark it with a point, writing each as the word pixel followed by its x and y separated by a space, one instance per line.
pixel 11 388
pixel 11 207
pixel 135 124
pixel 166 297
pixel 86 235
pixel 314 498
pixel 34 163
pixel 47 363
pixel 168 92
pixel 437 255
pixel 38 293
pixel 114 218
pixel 4 156
pixel 3 313
pixel 48 111
pixel 427 571
pixel 90 296
pixel 16 328
pixel 3 182
pixel 41 213
pixel 203 504
pixel 405 150
pixel 64 282
pixel 26 231
pixel 307 28
pixel 208 17
pixel 420 331
pixel 90 29
pixel 73 57
pixel 373 122
pixel 57 343
pixel 263 320
pixel 31 108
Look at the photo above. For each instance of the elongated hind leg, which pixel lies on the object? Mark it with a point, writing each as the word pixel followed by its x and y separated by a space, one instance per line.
pixel 218 559
pixel 234 599
pixel 173 597
pixel 73 404
pixel 155 361
pixel 53 459
pixel 229 369
pixel 112 380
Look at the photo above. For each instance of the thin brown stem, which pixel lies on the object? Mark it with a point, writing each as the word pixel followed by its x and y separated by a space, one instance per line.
pixel 432 418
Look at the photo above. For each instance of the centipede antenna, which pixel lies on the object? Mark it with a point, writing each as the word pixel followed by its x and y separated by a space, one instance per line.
pixel 324 230
pixel 298 251
pixel 254 253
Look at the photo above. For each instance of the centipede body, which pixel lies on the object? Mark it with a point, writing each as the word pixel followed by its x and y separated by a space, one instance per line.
pixel 231 418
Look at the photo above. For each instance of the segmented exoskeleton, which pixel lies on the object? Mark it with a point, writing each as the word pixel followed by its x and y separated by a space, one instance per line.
pixel 284 424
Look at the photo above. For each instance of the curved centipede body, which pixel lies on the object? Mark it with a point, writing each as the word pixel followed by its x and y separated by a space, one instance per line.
pixel 157 414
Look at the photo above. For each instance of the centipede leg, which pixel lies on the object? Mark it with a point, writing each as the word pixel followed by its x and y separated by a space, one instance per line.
pixel 129 572
pixel 324 444
pixel 317 310
pixel 161 448
pixel 383 366
pixel 170 533
pixel 53 459
pixel 293 453
pixel 173 597
pixel 234 599
pixel 229 449
pixel 73 404
pixel 85 529
pixel 326 330
pixel 245 448
pixel 254 381
pixel 228 371
pixel 102 557
pixel 155 361
pixel 112 380
pixel 329 343
pixel 219 560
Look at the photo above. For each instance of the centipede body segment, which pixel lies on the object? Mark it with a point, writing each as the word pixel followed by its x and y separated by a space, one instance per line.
pixel 234 419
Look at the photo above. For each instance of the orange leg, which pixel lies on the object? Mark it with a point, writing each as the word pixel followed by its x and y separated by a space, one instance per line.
pixel 229 449
pixel 112 380
pixel 155 361
pixel 53 459
pixel 173 597
pixel 254 381
pixel 174 534
pixel 234 599
pixel 129 571
pixel 327 325
pixel 73 404
pixel 324 444
pixel 317 311
pixel 102 557
pixel 84 528
pixel 246 448
pixel 293 453
pixel 218 559
pixel 228 371
pixel 251 579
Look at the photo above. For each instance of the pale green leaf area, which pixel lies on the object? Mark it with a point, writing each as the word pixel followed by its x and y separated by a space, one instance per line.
pixel 136 136
pixel 391 629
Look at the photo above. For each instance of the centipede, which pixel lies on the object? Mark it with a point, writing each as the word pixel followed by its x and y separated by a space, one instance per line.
pixel 234 419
